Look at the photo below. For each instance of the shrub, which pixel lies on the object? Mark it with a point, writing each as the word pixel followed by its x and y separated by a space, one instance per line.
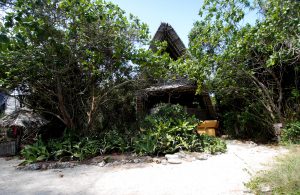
pixel 72 148
pixel 291 133
pixel 113 141
pixel 248 123
pixel 213 144
pixel 35 152
pixel 66 148
pixel 170 129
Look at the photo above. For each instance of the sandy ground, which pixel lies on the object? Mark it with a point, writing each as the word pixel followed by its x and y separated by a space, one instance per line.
pixel 221 174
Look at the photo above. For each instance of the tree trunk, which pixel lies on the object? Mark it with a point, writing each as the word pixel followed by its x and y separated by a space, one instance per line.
pixel 68 121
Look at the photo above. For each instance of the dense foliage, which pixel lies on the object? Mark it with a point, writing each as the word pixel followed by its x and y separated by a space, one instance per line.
pixel 72 59
pixel 71 147
pixel 291 133
pixel 251 68
pixel 170 129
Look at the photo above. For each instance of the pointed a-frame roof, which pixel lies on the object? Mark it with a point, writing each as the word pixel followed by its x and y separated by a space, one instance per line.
pixel 175 49
pixel 166 33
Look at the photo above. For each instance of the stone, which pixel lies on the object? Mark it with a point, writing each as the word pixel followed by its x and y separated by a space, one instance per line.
pixel 136 160
pixel 181 154
pixel 164 162
pixel 174 161
pixel 44 166
pixel 202 157
pixel 148 159
pixel 156 160
pixel 34 166
pixel 116 163
pixel 101 164
pixel 190 159
pixel 171 156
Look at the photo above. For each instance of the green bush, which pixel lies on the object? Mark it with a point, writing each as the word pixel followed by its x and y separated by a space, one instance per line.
pixel 66 148
pixel 249 123
pixel 213 144
pixel 73 148
pixel 35 152
pixel 170 129
pixel 291 133
pixel 113 141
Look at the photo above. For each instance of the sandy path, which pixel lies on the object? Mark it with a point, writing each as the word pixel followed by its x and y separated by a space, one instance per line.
pixel 221 174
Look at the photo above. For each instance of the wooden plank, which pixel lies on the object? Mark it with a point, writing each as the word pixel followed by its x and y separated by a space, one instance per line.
pixel 8 148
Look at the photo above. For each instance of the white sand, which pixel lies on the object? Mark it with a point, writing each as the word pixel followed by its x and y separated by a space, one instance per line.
pixel 221 174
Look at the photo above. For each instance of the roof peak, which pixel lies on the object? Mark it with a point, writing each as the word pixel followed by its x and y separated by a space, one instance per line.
pixel 166 32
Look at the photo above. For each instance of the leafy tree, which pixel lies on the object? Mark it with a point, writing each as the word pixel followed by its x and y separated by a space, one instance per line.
pixel 253 70
pixel 69 56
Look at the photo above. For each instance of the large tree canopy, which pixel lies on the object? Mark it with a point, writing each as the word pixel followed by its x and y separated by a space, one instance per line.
pixel 68 55
pixel 253 69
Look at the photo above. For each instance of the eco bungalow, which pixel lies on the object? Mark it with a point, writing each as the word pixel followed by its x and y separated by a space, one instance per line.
pixel 181 91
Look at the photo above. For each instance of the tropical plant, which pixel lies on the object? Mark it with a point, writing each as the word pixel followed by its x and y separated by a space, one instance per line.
pixel 170 129
pixel 69 56
pixel 291 133
pixel 35 152
pixel 249 64
pixel 113 141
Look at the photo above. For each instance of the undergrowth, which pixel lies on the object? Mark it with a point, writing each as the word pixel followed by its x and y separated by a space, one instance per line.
pixel 291 133
pixel 168 130
pixel 282 178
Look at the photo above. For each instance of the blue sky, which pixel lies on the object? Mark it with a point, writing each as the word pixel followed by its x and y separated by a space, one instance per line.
pixel 179 13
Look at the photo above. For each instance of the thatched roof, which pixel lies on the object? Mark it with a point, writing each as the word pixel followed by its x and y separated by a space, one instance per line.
pixel 175 49
pixel 172 86
pixel 23 118
pixel 166 33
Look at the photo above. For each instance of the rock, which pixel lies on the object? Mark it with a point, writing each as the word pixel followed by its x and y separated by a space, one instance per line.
pixel 44 166
pixel 136 160
pixel 202 157
pixel 174 161
pixel 130 161
pixel 101 164
pixel 116 163
pixel 134 155
pixel 164 162
pixel 148 159
pixel 48 165
pixel 251 143
pixel 171 156
pixel 156 160
pixel 181 154
pixel 34 166
pixel 190 159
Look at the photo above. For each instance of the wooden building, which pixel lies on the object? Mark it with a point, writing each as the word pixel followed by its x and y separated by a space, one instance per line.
pixel 181 91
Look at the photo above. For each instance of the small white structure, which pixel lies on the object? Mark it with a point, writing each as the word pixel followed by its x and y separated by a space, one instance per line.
pixel 11 102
